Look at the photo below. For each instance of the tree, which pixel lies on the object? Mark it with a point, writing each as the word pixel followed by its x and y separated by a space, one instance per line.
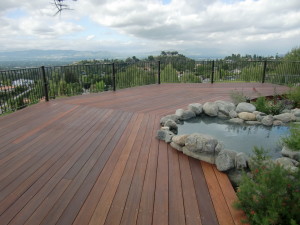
pixel 60 5
pixel 169 75
pixel 293 55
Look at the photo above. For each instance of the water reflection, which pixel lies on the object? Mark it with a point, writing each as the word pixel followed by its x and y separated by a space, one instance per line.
pixel 237 137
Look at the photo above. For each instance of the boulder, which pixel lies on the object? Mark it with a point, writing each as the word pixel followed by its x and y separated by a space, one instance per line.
pixel 285 117
pixel 222 115
pixel 176 146
pixel 224 161
pixel 245 107
pixel 296 112
pixel 173 117
pixel 267 120
pixel 188 114
pixel 165 135
pixel 180 139
pixel 233 114
pixel 260 116
pixel 247 116
pixel 288 164
pixel 286 151
pixel 241 161
pixel 211 109
pixel 235 177
pixel 236 121
pixel 225 107
pixel 201 146
pixel 196 108
pixel 172 126
pixel 179 112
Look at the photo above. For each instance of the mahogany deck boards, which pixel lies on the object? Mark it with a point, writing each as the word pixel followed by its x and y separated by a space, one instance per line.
pixel 94 159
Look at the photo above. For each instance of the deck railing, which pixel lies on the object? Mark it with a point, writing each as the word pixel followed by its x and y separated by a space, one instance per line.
pixel 22 87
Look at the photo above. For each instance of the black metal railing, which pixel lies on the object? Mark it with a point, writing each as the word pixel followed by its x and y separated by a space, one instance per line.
pixel 22 87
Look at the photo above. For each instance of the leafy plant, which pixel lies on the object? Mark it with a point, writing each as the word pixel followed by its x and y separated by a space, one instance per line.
pixel 238 97
pixel 273 107
pixel 269 194
pixel 293 140
pixel 294 95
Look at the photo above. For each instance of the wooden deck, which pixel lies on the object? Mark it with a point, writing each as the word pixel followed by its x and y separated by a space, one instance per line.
pixel 94 159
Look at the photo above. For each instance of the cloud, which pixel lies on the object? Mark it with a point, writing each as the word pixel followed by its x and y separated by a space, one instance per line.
pixel 211 26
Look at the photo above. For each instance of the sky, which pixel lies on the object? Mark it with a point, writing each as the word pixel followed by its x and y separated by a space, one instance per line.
pixel 192 27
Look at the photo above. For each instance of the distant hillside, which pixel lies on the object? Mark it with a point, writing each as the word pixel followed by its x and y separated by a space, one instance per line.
pixel 55 55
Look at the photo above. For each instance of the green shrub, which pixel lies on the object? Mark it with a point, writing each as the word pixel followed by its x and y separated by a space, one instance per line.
pixel 269 194
pixel 294 95
pixel 273 107
pixel 293 140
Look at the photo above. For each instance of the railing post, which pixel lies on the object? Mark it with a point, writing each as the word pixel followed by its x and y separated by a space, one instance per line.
pixel 264 72
pixel 158 72
pixel 212 71
pixel 114 77
pixel 45 84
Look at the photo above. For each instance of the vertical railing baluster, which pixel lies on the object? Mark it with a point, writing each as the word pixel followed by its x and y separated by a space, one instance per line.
pixel 264 72
pixel 45 84
pixel 114 76
pixel 212 71
pixel 158 72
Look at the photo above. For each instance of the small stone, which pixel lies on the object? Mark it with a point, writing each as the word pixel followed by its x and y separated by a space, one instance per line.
pixel 296 112
pixel 161 135
pixel 247 116
pixel 288 164
pixel 196 108
pixel 222 115
pixel 245 107
pixel 165 128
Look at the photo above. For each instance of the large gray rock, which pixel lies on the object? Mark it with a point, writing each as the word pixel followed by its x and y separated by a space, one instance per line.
pixel 211 109
pixel 285 117
pixel 233 114
pixel 241 161
pixel 235 177
pixel 196 108
pixel 278 123
pixel 224 161
pixel 172 126
pixel 179 112
pixel 247 116
pixel 267 120
pixel 222 115
pixel 172 117
pixel 245 107
pixel 176 146
pixel 201 146
pixel 188 114
pixel 180 139
pixel 165 135
pixel 296 112
pixel 225 107
pixel 236 121
pixel 260 115
pixel 290 153
pixel 288 164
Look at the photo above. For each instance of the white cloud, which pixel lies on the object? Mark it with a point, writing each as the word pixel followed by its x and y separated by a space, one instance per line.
pixel 215 26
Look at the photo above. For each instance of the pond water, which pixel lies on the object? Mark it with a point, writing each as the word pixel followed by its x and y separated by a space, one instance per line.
pixel 241 138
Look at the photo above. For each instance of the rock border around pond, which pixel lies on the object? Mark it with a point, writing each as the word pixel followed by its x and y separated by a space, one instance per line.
pixel 209 149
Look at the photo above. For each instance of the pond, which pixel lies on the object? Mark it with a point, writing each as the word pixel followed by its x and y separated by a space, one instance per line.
pixel 241 138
